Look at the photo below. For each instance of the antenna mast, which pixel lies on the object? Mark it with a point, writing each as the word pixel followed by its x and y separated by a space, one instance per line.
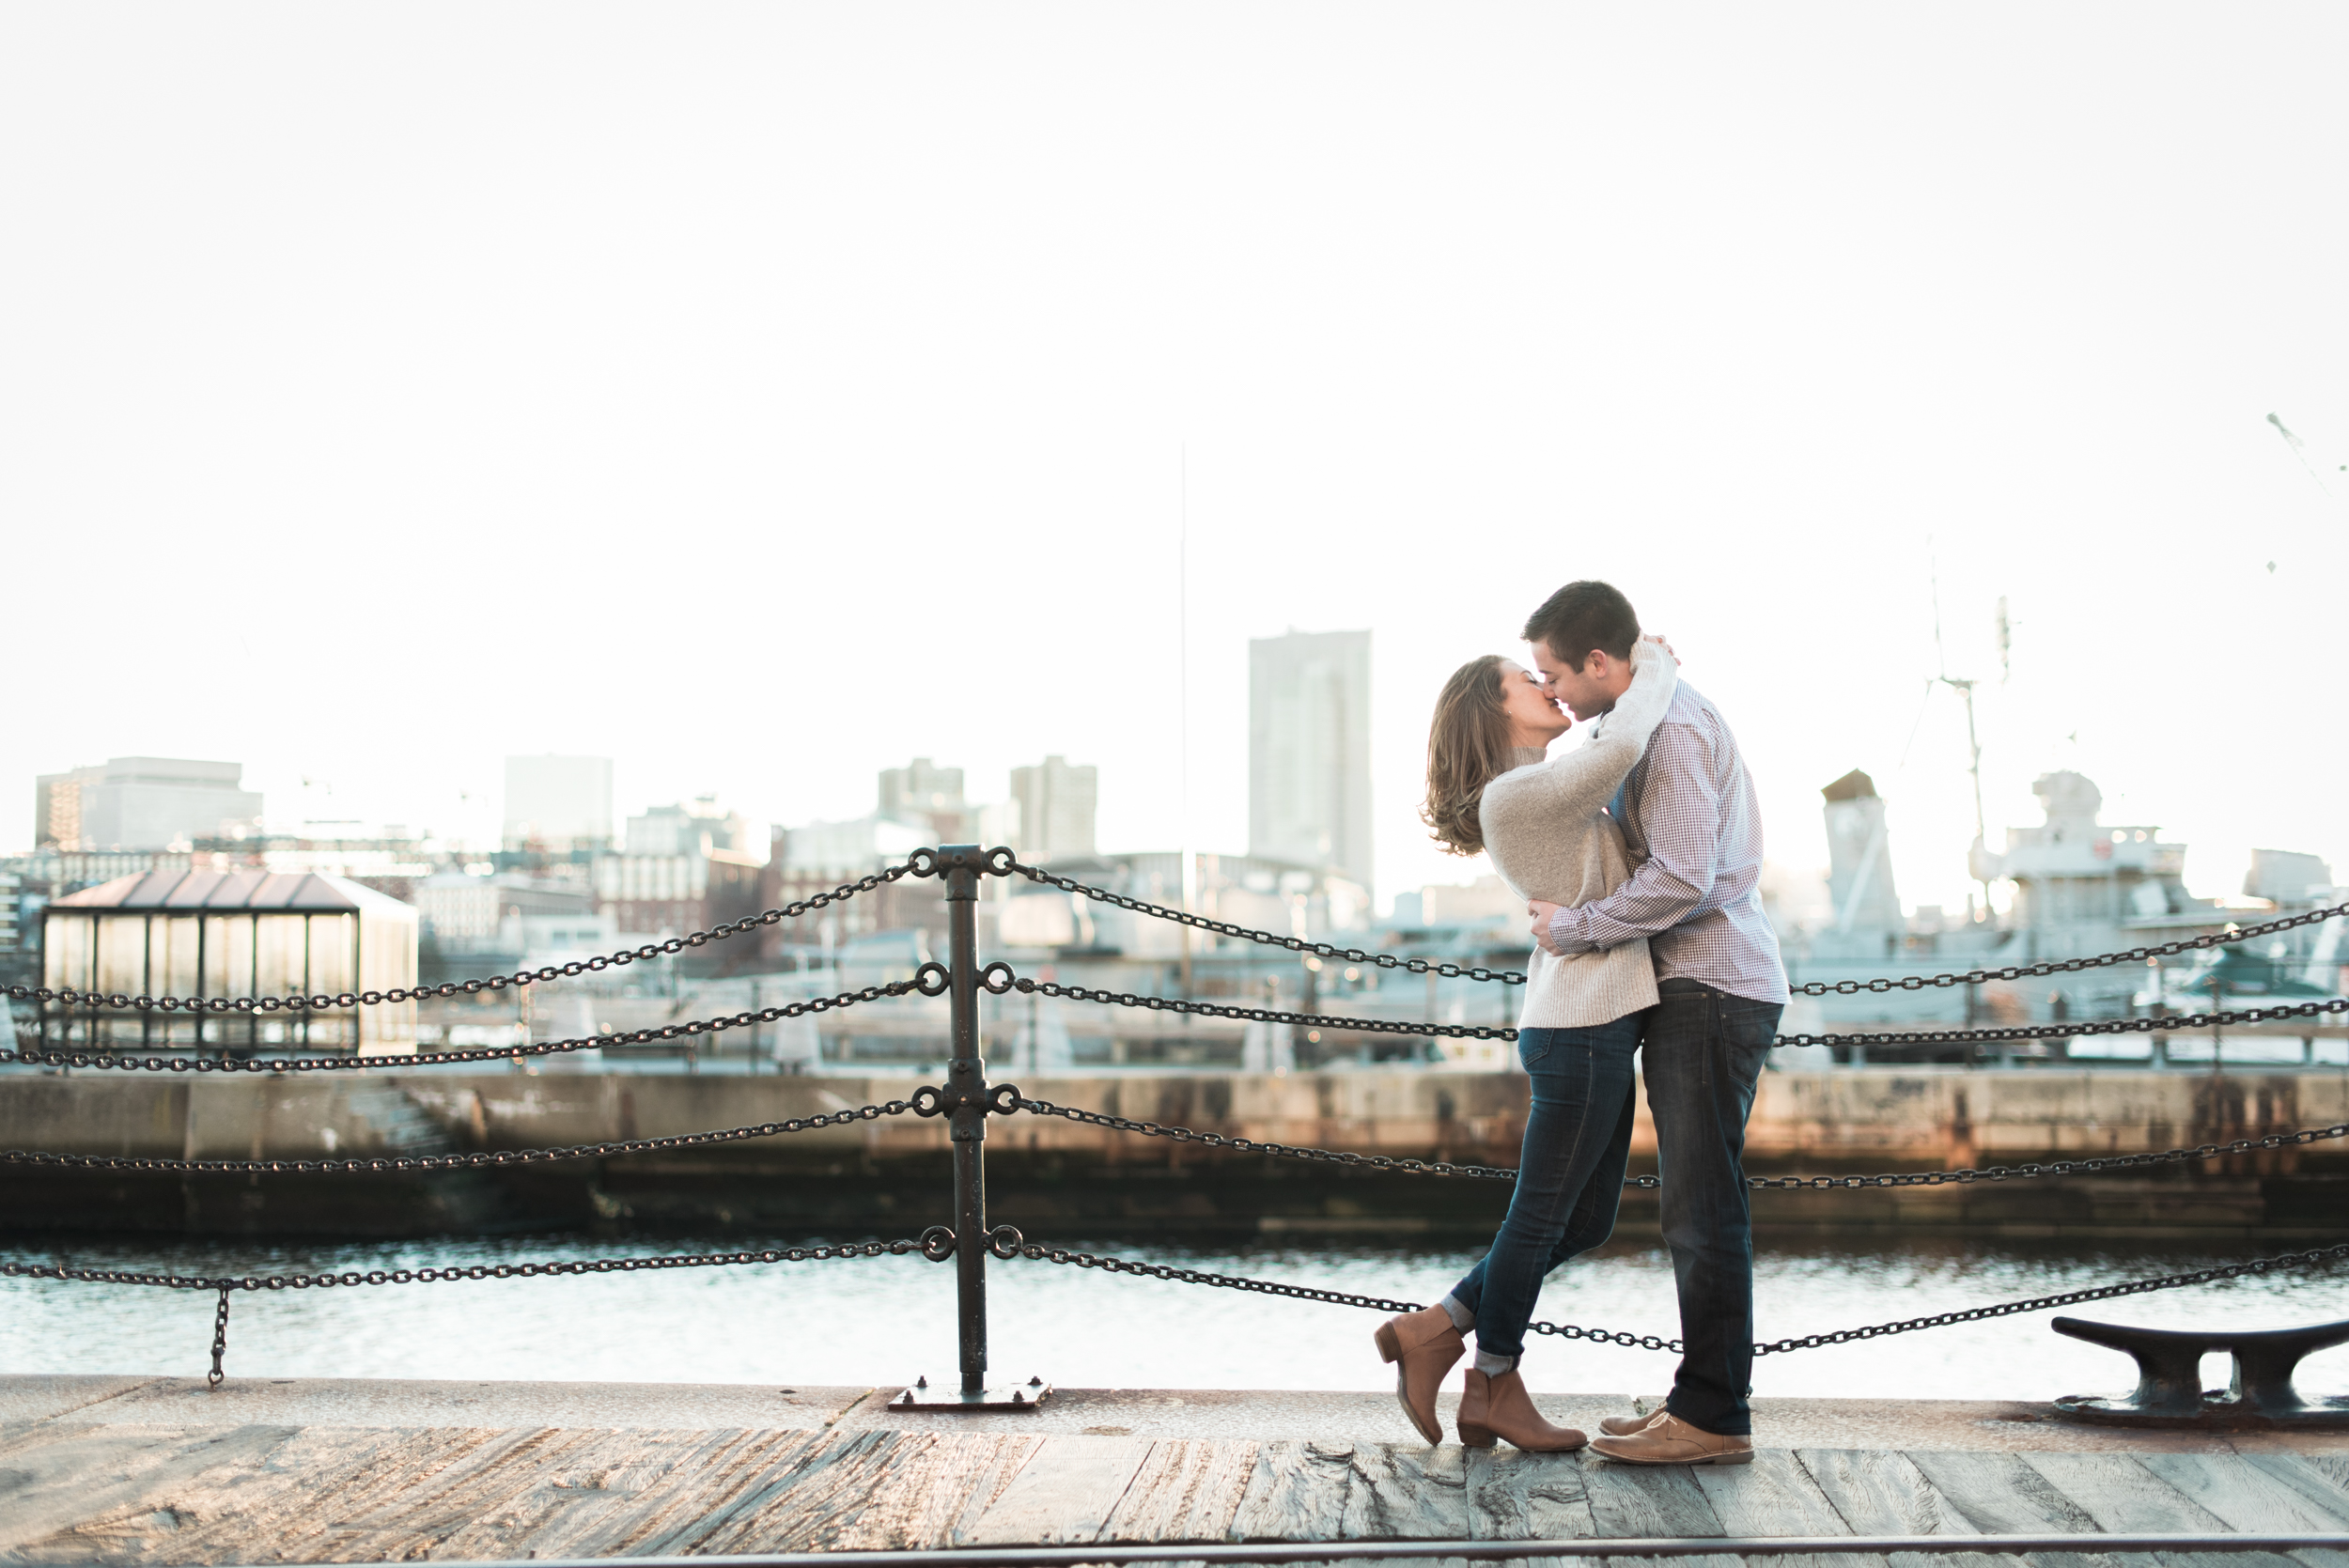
pixel 1964 688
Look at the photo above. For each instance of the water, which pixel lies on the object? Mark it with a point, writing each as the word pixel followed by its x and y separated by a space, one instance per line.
pixel 871 1321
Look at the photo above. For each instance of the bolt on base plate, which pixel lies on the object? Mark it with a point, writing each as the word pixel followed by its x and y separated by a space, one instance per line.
pixel 923 1396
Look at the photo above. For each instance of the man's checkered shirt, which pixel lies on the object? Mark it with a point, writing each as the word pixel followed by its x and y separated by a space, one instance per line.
pixel 1694 832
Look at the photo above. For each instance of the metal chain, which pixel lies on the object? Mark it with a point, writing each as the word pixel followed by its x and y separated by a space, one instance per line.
pixel 220 1340
pixel 2069 1298
pixel 479 1160
pixel 1252 1015
pixel 493 982
pixel 1970 1174
pixel 2179 1022
pixel 1963 1176
pixel 925 981
pixel 1267 938
pixel 1006 1242
pixel 2171 1023
pixel 927 1246
pixel 226 1283
pixel 1256 1146
pixel 2067 966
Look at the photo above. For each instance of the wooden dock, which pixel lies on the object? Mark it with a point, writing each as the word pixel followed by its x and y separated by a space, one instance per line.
pixel 162 1470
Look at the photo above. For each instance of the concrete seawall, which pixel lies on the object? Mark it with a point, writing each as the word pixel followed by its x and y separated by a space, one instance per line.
pixel 1071 1178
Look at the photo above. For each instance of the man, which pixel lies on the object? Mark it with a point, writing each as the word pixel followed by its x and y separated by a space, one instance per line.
pixel 1693 831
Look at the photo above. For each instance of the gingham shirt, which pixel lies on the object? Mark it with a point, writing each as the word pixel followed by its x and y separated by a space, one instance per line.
pixel 1693 831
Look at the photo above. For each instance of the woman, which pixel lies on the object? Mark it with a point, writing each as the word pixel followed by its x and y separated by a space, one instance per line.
pixel 1544 827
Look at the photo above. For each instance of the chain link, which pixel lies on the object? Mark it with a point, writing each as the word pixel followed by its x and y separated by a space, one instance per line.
pixel 126 1062
pixel 1294 944
pixel 1015 1247
pixel 2171 1023
pixel 479 1160
pixel 2069 1298
pixel 225 1283
pixel 322 1001
pixel 2175 1022
pixel 1257 1015
pixel 220 1340
pixel 1257 1146
pixel 2067 966
pixel 1965 1177
pixel 430 1276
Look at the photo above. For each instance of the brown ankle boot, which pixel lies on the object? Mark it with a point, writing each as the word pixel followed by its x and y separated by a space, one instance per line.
pixel 1500 1407
pixel 1423 1345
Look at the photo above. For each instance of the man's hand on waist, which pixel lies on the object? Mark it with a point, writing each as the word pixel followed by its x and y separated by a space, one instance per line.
pixel 1546 935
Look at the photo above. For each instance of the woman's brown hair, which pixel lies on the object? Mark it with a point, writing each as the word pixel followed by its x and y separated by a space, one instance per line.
pixel 1467 747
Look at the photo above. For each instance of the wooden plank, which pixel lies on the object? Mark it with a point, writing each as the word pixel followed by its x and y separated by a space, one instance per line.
pixel 1065 1492
pixel 2120 1494
pixel 1881 1492
pixel 1330 1491
pixel 874 1490
pixel 1188 1489
pixel 1998 1494
pixel 91 1478
pixel 641 1493
pixel 1516 1496
pixel 284 1504
pixel 2327 1489
pixel 545 1490
pixel 1776 1496
pixel 2244 1494
pixel 1647 1499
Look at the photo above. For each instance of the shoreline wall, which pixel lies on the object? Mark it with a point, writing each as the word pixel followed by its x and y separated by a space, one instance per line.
pixel 1064 1180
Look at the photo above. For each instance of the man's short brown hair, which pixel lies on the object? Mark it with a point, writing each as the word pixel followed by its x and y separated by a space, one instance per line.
pixel 1581 616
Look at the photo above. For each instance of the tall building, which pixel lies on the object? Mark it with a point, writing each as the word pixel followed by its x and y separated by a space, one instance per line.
pixel 683 868
pixel 1309 750
pixel 1056 805
pixel 142 803
pixel 559 803
pixel 924 793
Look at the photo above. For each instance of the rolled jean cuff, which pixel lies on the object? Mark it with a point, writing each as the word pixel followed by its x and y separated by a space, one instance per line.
pixel 1492 1365
pixel 1462 1319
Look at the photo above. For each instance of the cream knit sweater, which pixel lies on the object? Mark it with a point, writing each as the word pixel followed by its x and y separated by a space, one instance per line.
pixel 1550 837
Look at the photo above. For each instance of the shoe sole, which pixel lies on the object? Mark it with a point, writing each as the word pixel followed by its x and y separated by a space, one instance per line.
pixel 1744 1456
pixel 1391 1350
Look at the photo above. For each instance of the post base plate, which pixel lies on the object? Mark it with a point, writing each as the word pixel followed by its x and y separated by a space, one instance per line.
pixel 2220 1412
pixel 945 1396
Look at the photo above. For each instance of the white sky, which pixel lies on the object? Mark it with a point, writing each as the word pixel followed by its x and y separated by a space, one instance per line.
pixel 765 395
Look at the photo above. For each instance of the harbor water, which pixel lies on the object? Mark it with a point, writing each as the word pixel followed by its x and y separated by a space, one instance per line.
pixel 878 1321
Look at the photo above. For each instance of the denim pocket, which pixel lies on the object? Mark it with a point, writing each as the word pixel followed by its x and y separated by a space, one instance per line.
pixel 1535 1047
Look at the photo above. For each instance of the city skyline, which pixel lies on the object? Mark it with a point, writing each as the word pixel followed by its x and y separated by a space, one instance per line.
pixel 925 420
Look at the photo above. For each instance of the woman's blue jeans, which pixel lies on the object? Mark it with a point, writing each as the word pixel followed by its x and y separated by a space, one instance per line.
pixel 1578 1138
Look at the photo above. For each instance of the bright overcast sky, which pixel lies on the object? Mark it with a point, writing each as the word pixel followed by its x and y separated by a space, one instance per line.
pixel 765 395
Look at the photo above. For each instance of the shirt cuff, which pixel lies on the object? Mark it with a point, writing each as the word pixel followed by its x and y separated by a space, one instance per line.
pixel 1562 935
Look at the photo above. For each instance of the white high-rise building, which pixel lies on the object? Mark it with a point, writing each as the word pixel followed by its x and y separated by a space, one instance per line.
pixel 1309 750
pixel 1056 809
pixel 558 803
pixel 144 804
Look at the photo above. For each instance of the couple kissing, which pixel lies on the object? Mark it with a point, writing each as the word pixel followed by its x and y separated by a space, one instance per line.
pixel 1638 854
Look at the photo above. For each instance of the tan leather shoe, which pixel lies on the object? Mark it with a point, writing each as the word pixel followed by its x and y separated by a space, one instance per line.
pixel 1668 1440
pixel 1500 1407
pixel 1423 1345
pixel 1623 1426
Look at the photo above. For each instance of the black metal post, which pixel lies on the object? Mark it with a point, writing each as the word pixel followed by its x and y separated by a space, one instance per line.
pixel 966 1085
pixel 965 1097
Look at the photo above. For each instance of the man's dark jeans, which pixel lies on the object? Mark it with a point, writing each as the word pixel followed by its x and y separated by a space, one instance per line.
pixel 1578 1137
pixel 1702 1053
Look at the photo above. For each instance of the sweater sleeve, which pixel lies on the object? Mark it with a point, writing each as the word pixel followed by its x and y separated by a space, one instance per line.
pixel 1579 783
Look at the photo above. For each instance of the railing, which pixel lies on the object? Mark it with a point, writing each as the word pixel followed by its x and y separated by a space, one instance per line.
pixel 966 1099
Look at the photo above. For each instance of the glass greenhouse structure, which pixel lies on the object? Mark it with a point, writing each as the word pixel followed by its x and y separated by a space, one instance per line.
pixel 230 934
